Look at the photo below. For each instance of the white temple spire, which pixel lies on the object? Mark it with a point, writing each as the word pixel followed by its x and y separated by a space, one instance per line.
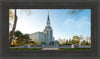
pixel 48 21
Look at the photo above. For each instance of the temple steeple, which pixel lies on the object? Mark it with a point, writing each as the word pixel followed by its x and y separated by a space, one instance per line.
pixel 48 21
pixel 48 31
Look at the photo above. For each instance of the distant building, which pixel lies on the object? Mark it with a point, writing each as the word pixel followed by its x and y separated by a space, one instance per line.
pixel 45 36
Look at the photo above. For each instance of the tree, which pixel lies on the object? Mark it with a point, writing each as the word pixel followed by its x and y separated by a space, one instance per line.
pixel 59 41
pixel 18 37
pixel 21 38
pixel 89 43
pixel 81 38
pixel 73 41
pixel 13 43
pixel 75 11
pixel 66 41
pixel 62 41
pixel 70 41
pixel 77 39
pixel 27 38
pixel 36 41
pixel 43 42
pixel 11 16
pixel 32 43
pixel 17 33
pixel 87 38
pixel 14 27
pixel 83 42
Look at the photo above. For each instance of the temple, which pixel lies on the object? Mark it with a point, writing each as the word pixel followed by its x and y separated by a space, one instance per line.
pixel 45 36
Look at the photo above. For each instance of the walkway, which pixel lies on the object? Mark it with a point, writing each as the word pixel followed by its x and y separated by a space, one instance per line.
pixel 50 49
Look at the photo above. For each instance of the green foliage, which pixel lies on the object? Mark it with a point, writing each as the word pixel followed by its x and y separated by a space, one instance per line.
pixel 84 42
pixel 12 46
pixel 62 41
pixel 32 43
pixel 68 44
pixel 87 43
pixel 76 40
pixel 36 41
pixel 21 38
pixel 26 38
pixel 73 41
pixel 17 33
pixel 43 43
pixel 75 11
pixel 11 14
pixel 11 18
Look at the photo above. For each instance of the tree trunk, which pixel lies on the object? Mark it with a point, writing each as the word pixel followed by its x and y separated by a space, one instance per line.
pixel 13 29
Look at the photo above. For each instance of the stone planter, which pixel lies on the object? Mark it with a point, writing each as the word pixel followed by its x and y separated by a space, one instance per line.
pixel 26 46
pixel 74 46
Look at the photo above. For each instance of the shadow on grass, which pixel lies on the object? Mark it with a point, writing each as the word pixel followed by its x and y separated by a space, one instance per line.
pixel 74 48
pixel 25 48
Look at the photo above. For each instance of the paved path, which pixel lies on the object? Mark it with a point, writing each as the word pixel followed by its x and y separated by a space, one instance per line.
pixel 50 49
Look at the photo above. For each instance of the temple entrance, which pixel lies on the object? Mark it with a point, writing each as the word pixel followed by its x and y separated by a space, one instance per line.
pixel 51 43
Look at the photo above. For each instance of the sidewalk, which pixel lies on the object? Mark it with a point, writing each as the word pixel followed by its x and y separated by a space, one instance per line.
pixel 50 49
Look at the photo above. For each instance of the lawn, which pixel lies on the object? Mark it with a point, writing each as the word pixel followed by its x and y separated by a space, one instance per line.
pixel 41 48
pixel 74 48
pixel 25 48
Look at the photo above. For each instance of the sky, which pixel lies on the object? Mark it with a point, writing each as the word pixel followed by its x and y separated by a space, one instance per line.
pixel 64 25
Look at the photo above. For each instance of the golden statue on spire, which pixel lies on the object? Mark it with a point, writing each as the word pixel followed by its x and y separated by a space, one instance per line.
pixel 48 12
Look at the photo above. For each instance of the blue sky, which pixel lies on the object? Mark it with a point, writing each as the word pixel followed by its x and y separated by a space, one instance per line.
pixel 64 25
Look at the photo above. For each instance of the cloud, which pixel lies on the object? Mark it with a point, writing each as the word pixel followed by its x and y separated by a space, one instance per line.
pixel 79 23
pixel 72 26
pixel 69 21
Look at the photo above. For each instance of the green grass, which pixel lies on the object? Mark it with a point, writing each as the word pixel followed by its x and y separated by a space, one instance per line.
pixel 25 48
pixel 74 48
pixel 41 48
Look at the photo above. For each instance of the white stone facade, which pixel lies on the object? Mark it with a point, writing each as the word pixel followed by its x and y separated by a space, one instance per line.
pixel 45 36
pixel 38 35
